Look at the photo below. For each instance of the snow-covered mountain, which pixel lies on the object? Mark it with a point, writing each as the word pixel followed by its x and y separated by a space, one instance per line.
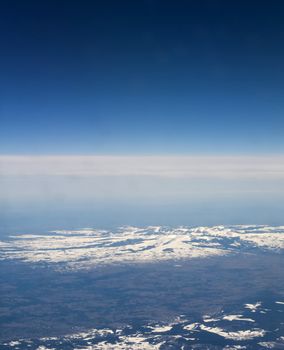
pixel 251 328
pixel 87 248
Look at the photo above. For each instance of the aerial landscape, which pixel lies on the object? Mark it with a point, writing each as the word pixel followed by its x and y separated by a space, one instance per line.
pixel 141 175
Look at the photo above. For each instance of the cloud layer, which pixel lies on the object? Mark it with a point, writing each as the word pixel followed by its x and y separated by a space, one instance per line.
pixel 227 167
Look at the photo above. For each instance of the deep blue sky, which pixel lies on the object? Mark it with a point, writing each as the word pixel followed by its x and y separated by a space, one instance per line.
pixel 132 77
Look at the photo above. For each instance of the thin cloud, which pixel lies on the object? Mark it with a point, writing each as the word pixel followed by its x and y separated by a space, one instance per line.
pixel 227 167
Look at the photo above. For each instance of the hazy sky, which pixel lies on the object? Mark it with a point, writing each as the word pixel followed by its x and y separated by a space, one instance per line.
pixel 179 105
pixel 77 191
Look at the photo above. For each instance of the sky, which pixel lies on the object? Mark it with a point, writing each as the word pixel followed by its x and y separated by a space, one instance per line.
pixel 141 112
pixel 147 77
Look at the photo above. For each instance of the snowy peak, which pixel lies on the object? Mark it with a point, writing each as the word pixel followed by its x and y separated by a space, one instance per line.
pixel 87 247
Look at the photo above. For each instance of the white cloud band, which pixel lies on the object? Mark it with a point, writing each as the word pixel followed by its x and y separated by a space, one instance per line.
pixel 231 167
